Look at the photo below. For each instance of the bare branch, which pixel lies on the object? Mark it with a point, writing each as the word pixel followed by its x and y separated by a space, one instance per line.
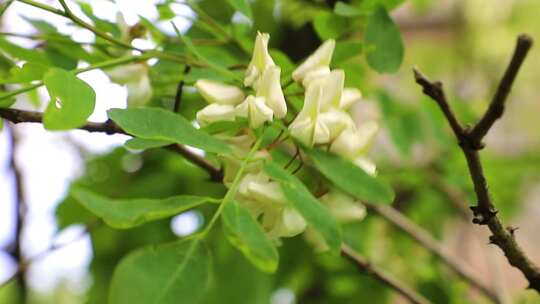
pixel 180 90
pixel 428 242
pixel 365 266
pixel 109 127
pixel 496 107
pixel 485 213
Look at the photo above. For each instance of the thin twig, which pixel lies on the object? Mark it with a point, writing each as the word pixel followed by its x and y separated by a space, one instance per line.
pixel 179 90
pixel 109 127
pixel 397 219
pixel 365 266
pixel 20 212
pixel 496 107
pixel 485 213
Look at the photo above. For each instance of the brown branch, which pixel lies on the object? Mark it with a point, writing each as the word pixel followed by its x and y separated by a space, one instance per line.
pixel 180 90
pixel 397 219
pixel 496 107
pixel 109 127
pixel 365 266
pixel 484 213
pixel 20 212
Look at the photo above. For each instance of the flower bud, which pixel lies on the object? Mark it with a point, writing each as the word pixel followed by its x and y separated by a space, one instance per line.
pixel 319 59
pixel 349 97
pixel 283 222
pixel 255 110
pixel 306 127
pixel 270 89
pixel 124 74
pixel 259 62
pixel 216 92
pixel 343 207
pixel 335 121
pixel 140 92
pixel 216 112
pixel 354 141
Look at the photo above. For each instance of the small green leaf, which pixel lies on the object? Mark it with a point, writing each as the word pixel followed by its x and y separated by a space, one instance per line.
pixel 172 273
pixel 350 178
pixel 244 232
pixel 346 50
pixel 317 215
pixel 21 53
pixel 384 43
pixel 72 100
pixel 347 10
pixel 128 213
pixel 330 26
pixel 159 124
pixel 29 72
pixel 242 6
pixel 137 143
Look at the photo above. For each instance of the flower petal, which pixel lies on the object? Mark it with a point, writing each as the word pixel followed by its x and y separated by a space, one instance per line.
pixel 216 92
pixel 260 61
pixel 270 89
pixel 349 97
pixel 216 112
pixel 320 58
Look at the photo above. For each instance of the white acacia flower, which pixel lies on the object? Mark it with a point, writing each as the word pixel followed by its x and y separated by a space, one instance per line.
pixel 283 222
pixel 135 77
pixel 349 96
pixel 307 127
pixel 255 110
pixel 355 141
pixel 259 62
pixel 139 92
pixel 270 89
pixel 343 207
pixel 217 92
pixel 320 59
pixel 216 112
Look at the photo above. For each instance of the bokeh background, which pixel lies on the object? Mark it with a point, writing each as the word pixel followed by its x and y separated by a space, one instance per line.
pixel 464 43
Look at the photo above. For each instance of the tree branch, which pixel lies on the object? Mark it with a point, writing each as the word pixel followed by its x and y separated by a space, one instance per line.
pixel 180 90
pixel 109 127
pixel 427 241
pixel 365 266
pixel 496 107
pixel 20 212
pixel 484 213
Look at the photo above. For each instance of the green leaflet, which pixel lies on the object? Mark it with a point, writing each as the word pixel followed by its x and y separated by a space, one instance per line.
pixel 143 144
pixel 383 41
pixel 159 124
pixel 172 273
pixel 128 213
pixel 318 216
pixel 72 100
pixel 245 233
pixel 350 178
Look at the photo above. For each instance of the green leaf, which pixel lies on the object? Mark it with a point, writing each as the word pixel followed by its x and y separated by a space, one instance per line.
pixel 346 50
pixel 244 232
pixel 384 43
pixel 28 72
pixel 72 100
pixel 159 124
pixel 317 215
pixel 165 12
pixel 128 213
pixel 172 273
pixel 21 53
pixel 330 26
pixel 137 143
pixel 347 10
pixel 242 6
pixel 350 178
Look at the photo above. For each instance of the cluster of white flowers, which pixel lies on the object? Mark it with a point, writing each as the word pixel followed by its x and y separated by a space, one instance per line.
pixel 134 75
pixel 323 120
pixel 228 102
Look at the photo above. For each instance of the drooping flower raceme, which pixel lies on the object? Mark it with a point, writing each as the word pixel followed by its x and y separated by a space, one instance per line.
pixel 323 120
